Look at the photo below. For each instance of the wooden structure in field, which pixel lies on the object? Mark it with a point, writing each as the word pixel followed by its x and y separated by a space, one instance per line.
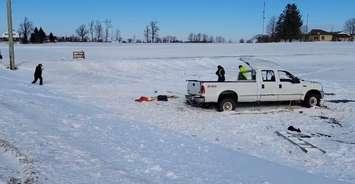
pixel 79 54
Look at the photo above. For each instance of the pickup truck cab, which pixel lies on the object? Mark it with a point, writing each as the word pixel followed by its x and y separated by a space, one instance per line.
pixel 268 82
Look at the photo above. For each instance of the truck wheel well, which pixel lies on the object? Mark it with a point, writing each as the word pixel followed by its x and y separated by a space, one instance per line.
pixel 313 92
pixel 230 94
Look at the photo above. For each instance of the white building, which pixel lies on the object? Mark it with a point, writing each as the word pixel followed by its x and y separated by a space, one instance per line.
pixel 5 36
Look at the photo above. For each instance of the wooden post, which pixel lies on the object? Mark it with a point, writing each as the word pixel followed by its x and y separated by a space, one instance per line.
pixel 10 35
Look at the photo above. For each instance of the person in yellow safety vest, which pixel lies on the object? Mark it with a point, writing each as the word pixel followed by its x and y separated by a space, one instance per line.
pixel 242 72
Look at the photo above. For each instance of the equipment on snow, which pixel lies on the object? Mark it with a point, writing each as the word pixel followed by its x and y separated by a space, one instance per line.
pixel 293 129
pixel 163 98
pixel 299 142
pixel 79 55
pixel 144 99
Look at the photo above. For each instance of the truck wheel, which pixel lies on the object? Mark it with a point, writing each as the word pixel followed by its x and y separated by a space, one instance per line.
pixel 312 100
pixel 226 105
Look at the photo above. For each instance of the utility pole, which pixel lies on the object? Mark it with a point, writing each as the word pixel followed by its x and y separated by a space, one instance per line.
pixel 10 35
pixel 307 28
pixel 264 17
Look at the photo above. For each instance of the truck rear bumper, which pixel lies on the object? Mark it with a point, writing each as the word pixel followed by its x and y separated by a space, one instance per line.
pixel 192 99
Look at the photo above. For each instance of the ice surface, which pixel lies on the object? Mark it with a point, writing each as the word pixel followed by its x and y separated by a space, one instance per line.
pixel 83 125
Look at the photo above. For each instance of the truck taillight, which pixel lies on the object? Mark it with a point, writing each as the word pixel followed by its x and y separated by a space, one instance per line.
pixel 202 89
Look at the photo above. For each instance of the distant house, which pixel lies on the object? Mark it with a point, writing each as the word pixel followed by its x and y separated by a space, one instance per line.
pixel 5 36
pixel 320 35
pixel 341 36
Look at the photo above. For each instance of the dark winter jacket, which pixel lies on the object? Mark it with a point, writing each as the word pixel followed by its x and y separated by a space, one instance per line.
pixel 221 74
pixel 38 72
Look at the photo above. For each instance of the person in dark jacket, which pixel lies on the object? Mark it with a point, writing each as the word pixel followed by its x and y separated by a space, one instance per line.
pixel 38 74
pixel 221 74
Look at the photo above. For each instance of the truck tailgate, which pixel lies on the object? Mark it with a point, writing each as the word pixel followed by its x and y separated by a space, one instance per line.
pixel 193 87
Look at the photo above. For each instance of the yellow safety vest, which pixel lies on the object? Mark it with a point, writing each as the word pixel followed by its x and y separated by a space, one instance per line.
pixel 243 70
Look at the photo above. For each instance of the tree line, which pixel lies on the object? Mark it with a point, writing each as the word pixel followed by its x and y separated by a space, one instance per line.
pixel 97 31
pixel 288 26
pixel 30 34
pixel 103 31
pixel 349 26
pixel 205 38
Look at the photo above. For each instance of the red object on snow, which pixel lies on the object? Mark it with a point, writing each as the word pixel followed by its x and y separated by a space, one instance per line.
pixel 143 99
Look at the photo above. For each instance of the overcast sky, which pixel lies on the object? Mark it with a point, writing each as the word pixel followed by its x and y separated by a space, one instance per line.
pixel 233 19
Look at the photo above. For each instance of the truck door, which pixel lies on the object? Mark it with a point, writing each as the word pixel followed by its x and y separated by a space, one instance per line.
pixel 289 88
pixel 268 86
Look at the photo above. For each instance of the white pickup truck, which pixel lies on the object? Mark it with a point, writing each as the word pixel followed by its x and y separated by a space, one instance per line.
pixel 267 82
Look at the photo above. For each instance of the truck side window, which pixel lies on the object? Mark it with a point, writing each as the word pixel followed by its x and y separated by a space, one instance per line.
pixel 268 76
pixel 285 76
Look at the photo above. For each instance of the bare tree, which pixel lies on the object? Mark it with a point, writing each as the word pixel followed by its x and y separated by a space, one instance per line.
pixel 98 31
pixel 204 38
pixel 92 30
pixel 82 32
pixel 190 38
pixel 199 37
pixel 147 34
pixel 271 27
pixel 134 39
pixel 130 40
pixel 154 28
pixel 211 39
pixel 349 26
pixel 170 39
pixel 118 37
pixel 25 30
pixel 108 26
pixel 220 39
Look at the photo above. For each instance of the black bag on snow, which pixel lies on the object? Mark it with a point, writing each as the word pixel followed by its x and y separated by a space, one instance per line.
pixel 163 98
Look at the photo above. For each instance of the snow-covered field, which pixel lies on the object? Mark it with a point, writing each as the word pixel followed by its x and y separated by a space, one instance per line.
pixel 83 125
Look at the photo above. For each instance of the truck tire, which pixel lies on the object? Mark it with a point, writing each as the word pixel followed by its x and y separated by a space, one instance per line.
pixel 312 100
pixel 227 104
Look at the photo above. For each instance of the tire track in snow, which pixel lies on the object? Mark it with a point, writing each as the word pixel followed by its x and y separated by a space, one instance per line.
pixel 28 173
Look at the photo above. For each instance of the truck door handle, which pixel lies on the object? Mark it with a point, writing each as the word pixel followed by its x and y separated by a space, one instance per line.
pixel 280 86
pixel 263 86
